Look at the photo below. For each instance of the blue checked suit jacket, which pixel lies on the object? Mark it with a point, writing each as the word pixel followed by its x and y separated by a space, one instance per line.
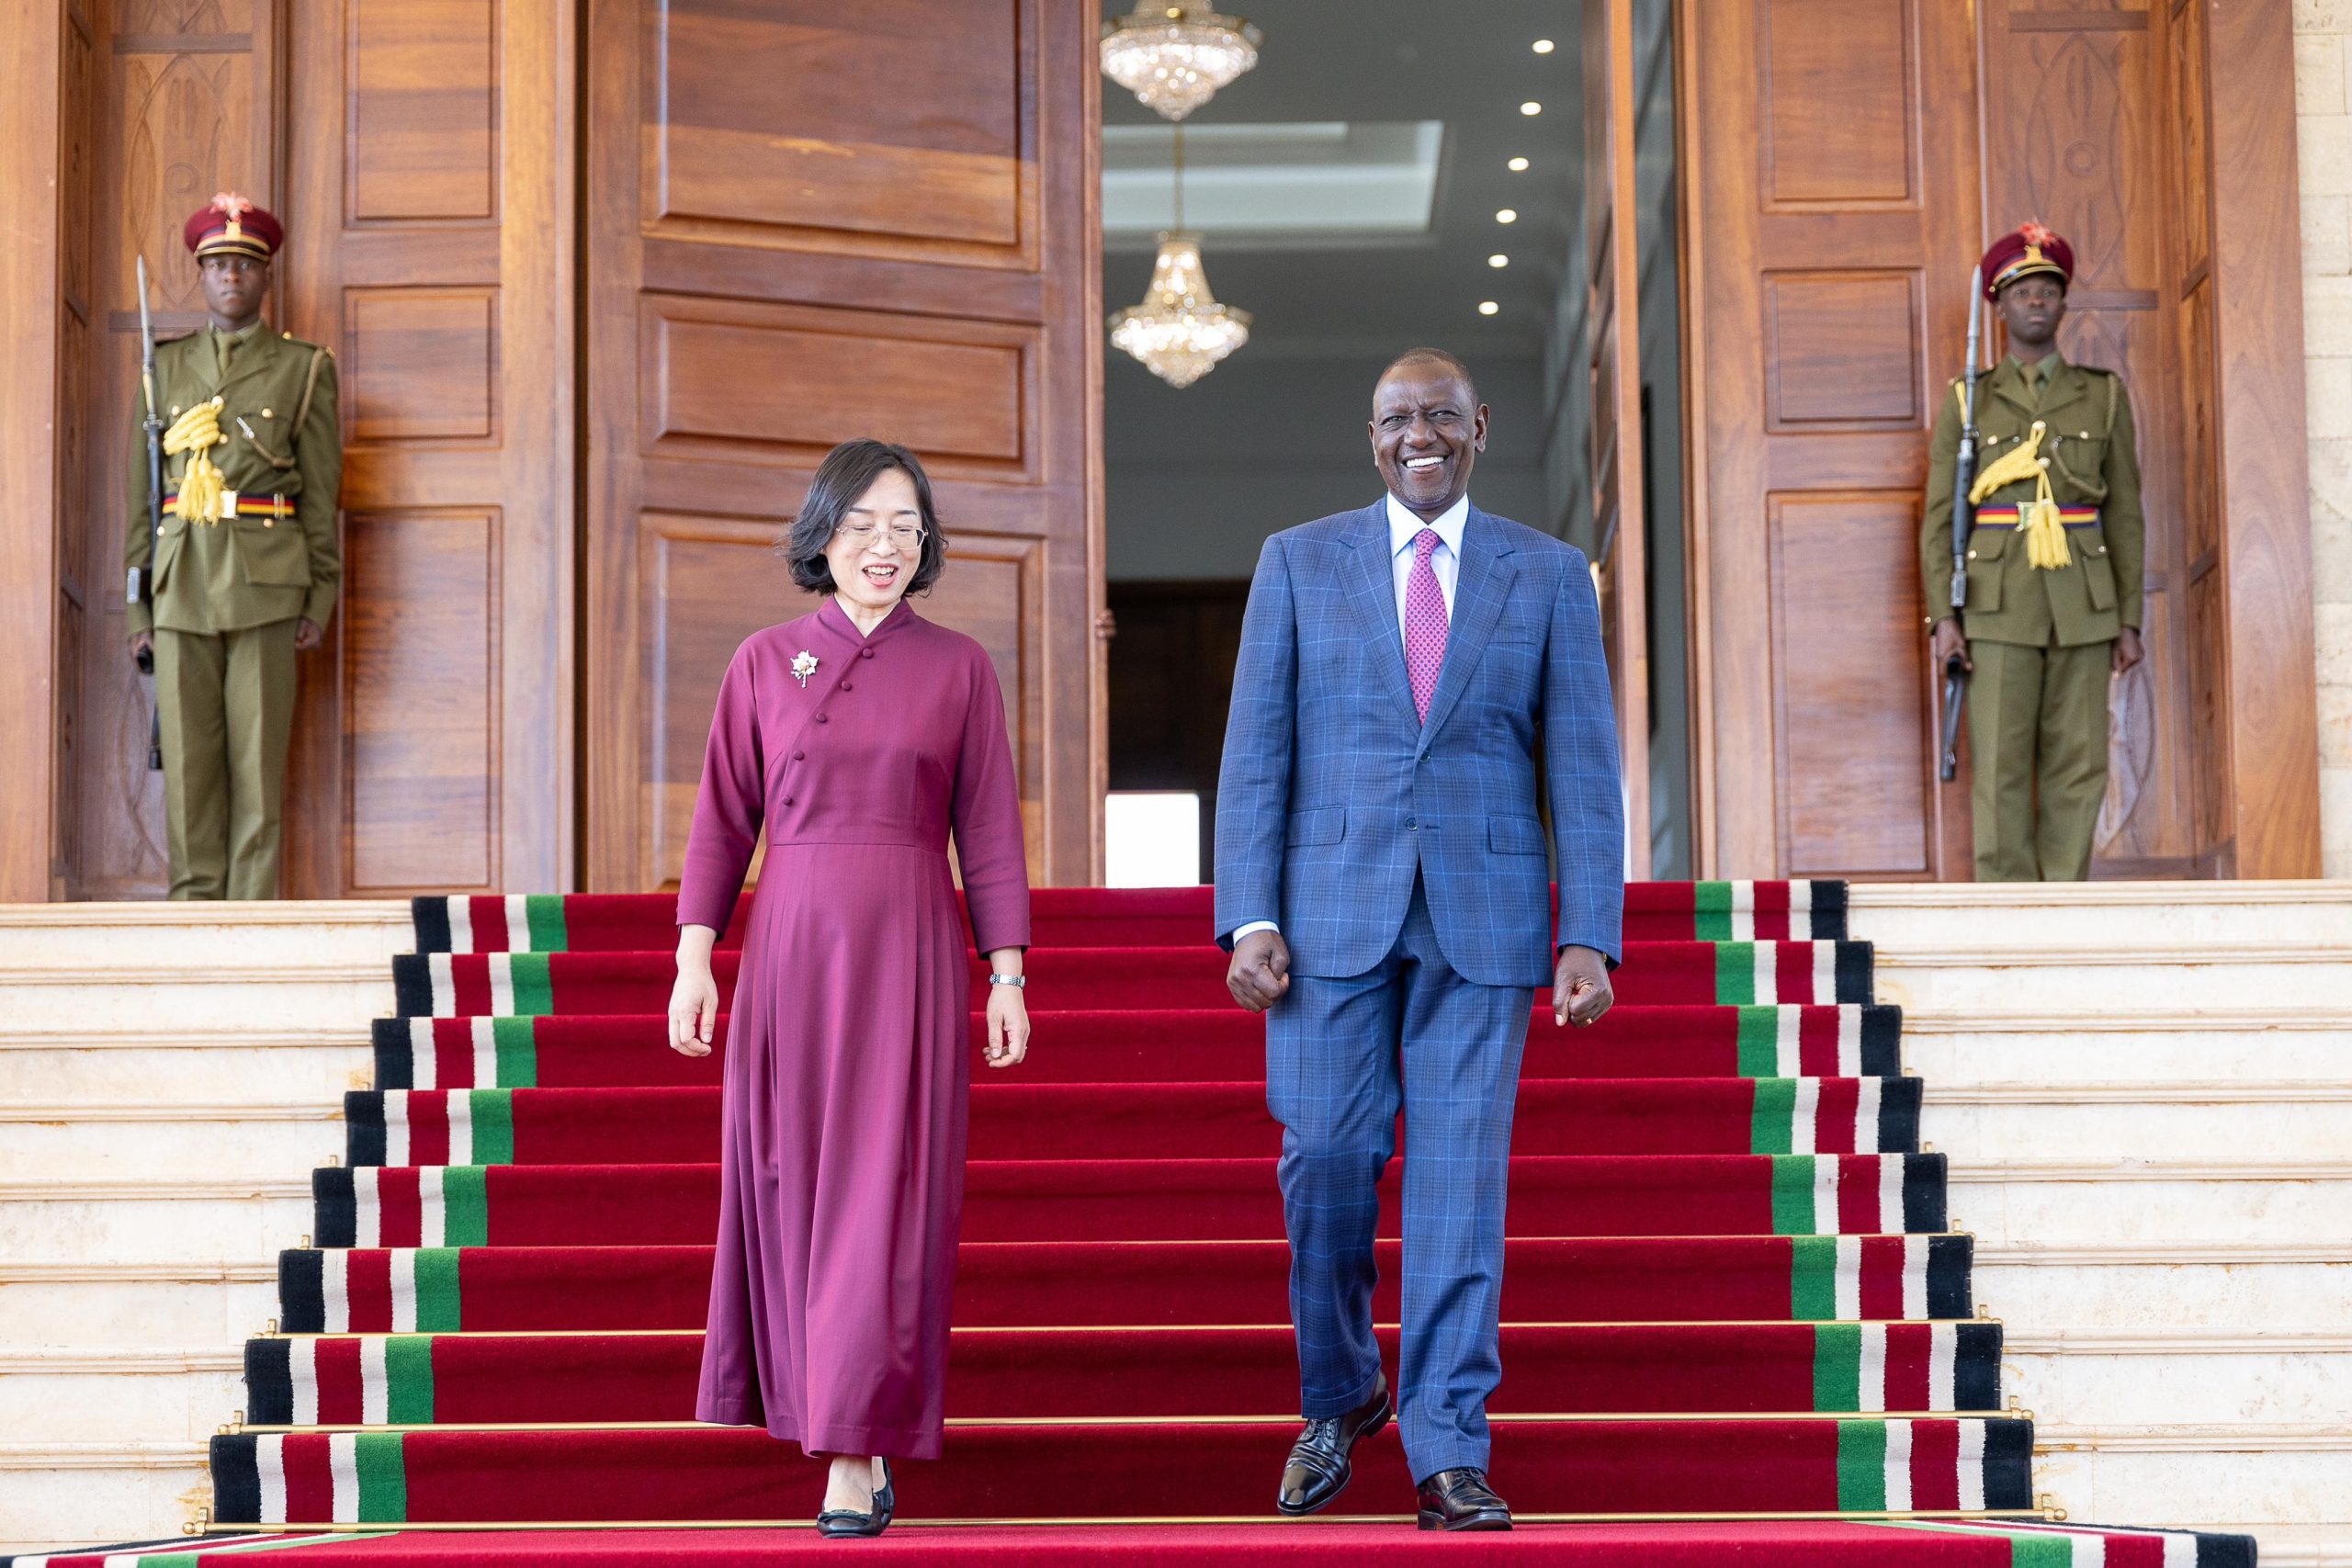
pixel 1332 791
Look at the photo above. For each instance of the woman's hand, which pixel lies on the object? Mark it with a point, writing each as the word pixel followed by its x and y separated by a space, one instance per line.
pixel 694 1001
pixel 1008 1022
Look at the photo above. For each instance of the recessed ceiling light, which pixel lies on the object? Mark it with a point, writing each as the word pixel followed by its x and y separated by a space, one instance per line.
pixel 1488 306
pixel 1517 165
pixel 1507 215
pixel 1498 259
pixel 1530 107
pixel 1542 46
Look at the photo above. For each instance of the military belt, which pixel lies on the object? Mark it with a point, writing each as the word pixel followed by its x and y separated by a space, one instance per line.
pixel 268 507
pixel 2008 516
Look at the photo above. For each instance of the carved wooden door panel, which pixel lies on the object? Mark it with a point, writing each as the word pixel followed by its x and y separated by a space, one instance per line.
pixel 1613 284
pixel 809 221
pixel 1829 170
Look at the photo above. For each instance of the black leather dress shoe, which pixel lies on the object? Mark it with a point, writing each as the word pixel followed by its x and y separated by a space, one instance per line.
pixel 1318 1470
pixel 1461 1500
pixel 841 1522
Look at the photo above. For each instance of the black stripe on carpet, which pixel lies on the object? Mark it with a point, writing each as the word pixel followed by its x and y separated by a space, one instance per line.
pixel 432 918
pixel 412 986
pixel 338 1206
pixel 302 1289
pixel 1923 1193
pixel 1898 1116
pixel 269 1382
pixel 1881 1040
pixel 1854 978
pixel 396 1056
pixel 2009 1463
pixel 1976 1367
pixel 236 1477
pixel 363 1126
pixel 1828 911
pixel 1950 1259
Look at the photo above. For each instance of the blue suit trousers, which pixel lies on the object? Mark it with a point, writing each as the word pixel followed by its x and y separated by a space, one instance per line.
pixel 1342 1056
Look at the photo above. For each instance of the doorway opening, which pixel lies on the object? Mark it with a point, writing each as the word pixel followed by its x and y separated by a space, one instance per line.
pixel 1373 186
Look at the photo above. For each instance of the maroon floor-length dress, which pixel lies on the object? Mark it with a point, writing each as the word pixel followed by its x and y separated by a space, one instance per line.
pixel 848 1067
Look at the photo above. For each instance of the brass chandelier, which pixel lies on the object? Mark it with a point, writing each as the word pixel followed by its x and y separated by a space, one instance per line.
pixel 1175 54
pixel 1181 331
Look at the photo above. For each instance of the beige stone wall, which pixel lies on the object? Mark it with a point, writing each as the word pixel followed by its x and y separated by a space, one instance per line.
pixel 2324 133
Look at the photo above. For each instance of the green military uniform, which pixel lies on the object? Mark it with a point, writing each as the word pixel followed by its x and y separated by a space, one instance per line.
pixel 229 594
pixel 2041 638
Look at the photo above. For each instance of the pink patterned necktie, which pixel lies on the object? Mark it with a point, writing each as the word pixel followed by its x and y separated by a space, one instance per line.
pixel 1424 622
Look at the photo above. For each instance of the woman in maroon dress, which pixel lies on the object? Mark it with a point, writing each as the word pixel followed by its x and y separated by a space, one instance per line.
pixel 858 736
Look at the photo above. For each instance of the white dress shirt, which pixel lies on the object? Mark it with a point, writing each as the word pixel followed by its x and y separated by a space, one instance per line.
pixel 1404 529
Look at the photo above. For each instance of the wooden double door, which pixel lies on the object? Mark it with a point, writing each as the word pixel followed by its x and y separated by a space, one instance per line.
pixel 606 278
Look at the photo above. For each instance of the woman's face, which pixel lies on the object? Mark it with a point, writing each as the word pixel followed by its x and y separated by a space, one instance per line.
pixel 878 544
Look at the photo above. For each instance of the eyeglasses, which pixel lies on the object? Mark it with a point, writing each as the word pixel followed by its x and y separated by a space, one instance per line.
pixel 906 535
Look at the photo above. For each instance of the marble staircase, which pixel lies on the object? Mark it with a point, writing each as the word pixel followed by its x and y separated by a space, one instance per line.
pixel 2146 1091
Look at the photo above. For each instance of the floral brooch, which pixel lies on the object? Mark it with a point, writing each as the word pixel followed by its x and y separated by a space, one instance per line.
pixel 804 664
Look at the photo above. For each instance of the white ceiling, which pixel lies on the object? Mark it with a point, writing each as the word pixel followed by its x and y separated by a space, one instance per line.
pixel 1333 285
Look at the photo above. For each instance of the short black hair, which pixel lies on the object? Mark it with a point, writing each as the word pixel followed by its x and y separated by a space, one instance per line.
pixel 1439 356
pixel 848 471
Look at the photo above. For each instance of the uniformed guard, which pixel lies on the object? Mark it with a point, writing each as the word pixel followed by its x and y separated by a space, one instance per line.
pixel 247 563
pixel 2053 558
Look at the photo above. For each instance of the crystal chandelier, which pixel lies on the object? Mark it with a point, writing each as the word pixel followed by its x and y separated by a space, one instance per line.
pixel 1175 54
pixel 1180 332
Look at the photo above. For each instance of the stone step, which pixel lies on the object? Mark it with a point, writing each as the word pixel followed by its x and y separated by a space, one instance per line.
pixel 2197 1474
pixel 2211 1119
pixel 239 1064
pixel 1962 979
pixel 114 940
pixel 96 1303
pixel 131 1139
pixel 2128 1286
pixel 65 1219
pixel 2002 1046
pixel 214 998
pixel 1912 917
pixel 2131 1199
pixel 2153 1377
pixel 121 1393
pixel 56 1495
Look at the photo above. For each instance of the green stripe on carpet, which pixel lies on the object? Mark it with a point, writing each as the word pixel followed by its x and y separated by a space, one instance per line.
pixel 534 989
pixel 518 1052
pixel 1862 1466
pixel 384 1478
pixel 465 1206
pixel 1771 1119
pixel 1711 911
pixel 1792 1195
pixel 1759 1042
pixel 408 1381
pixel 2027 1549
pixel 492 1111
pixel 1813 1277
pixel 543 912
pixel 1836 1366
pixel 439 1309
pixel 1734 974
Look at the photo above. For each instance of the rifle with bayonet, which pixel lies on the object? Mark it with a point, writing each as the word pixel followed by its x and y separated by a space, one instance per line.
pixel 142 578
pixel 1963 515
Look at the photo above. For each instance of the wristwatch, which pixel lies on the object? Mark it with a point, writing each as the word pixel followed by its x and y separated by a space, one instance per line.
pixel 1021 980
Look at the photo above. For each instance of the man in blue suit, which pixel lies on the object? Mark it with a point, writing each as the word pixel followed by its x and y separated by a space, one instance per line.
pixel 1416 679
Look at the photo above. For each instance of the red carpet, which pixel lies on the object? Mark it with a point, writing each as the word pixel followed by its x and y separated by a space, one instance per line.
pixel 1728 1289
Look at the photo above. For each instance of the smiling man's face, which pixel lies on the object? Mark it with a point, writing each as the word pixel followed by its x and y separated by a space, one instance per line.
pixel 1428 427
